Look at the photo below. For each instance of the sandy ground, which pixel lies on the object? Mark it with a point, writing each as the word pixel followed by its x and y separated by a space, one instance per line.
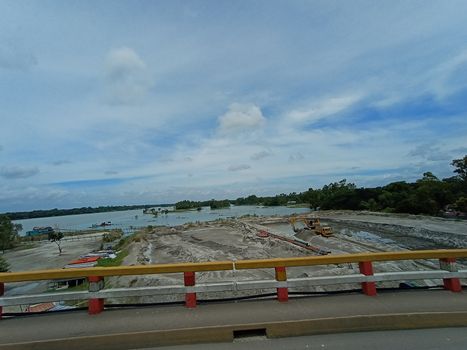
pixel 44 255
pixel 236 239
pixel 228 240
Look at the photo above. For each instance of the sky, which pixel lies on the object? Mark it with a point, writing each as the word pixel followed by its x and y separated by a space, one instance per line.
pixel 135 102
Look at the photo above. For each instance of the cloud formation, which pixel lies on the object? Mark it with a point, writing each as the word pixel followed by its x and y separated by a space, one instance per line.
pixel 357 103
pixel 127 77
pixel 18 172
pixel 239 167
pixel 241 118
pixel 296 157
pixel 321 109
pixel 61 162
pixel 260 155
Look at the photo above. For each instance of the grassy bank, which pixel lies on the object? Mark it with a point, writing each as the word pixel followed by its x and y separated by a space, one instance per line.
pixel 107 262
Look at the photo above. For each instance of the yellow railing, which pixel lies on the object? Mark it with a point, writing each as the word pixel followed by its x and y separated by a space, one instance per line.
pixel 97 293
pixel 352 258
pixel 36 275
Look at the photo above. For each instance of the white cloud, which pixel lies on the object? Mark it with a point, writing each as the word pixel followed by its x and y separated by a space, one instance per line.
pixel 241 118
pixel 429 152
pixel 357 62
pixel 126 76
pixel 322 109
pixel 31 196
pixel 450 75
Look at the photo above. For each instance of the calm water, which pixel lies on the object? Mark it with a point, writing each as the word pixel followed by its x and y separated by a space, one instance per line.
pixel 132 219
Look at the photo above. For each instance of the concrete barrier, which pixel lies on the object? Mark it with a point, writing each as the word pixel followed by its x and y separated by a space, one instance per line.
pixel 225 333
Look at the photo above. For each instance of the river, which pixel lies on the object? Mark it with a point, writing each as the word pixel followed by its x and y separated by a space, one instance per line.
pixel 130 220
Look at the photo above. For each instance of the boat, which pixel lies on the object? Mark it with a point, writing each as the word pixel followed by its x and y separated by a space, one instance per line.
pixel 40 230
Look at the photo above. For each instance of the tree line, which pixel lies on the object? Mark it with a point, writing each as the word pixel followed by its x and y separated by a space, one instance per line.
pixel 428 195
pixel 75 211
pixel 213 204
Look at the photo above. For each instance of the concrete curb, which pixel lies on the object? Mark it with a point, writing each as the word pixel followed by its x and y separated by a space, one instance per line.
pixel 213 334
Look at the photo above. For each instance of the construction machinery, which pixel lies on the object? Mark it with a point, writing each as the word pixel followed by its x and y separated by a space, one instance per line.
pixel 310 224
pixel 324 231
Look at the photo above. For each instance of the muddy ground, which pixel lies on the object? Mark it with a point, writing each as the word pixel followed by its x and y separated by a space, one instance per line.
pixel 413 231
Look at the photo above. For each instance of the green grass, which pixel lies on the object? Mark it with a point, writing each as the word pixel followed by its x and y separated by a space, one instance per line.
pixel 107 262
pixel 299 205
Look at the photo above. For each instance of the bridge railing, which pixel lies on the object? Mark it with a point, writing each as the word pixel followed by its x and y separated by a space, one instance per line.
pixel 96 293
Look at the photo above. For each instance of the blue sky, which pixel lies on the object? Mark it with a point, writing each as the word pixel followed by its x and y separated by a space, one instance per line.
pixel 132 102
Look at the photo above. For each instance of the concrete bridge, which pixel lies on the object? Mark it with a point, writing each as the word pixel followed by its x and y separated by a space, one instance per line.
pixel 138 327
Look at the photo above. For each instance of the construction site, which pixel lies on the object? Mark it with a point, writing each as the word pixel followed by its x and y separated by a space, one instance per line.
pixel 245 238
pixel 288 236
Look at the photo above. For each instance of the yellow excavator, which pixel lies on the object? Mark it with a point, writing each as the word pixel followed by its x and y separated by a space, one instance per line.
pixel 310 224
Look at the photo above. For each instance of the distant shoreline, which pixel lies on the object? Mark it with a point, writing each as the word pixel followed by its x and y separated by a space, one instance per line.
pixel 35 214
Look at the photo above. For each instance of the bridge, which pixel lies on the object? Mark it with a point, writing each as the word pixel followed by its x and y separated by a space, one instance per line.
pixel 291 314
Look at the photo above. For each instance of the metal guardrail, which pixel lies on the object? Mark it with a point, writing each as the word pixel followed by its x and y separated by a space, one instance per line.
pixel 37 275
pixel 96 293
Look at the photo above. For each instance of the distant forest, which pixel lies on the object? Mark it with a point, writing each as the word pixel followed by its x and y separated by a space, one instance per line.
pixel 428 195
pixel 84 210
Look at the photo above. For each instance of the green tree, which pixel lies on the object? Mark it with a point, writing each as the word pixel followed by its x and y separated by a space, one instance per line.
pixel 461 204
pixel 4 267
pixel 461 167
pixel 219 204
pixel 370 205
pixel 339 195
pixel 8 233
pixel 56 237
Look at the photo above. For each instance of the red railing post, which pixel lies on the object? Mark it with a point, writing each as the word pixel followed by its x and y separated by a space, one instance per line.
pixel 366 268
pixel 452 284
pixel 190 297
pixel 281 276
pixel 95 305
pixel 2 290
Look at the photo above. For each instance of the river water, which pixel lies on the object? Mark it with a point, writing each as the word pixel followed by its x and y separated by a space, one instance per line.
pixel 130 220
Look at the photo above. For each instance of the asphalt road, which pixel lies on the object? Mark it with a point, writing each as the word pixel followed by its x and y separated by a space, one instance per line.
pixel 426 339
pixel 141 327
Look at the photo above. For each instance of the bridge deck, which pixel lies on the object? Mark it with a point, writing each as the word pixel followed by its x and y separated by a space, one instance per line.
pixel 236 315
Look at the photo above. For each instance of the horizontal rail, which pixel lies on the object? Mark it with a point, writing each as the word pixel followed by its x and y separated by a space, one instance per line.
pixel 97 293
pixel 232 286
pixel 37 275
pixel 351 258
